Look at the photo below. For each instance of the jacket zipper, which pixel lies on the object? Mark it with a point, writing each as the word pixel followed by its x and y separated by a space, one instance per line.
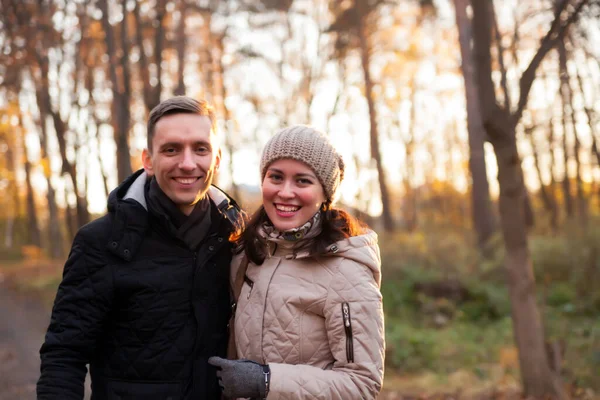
pixel 250 283
pixel 266 296
pixel 348 329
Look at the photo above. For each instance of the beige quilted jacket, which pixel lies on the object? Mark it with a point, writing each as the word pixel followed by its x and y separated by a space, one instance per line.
pixel 317 321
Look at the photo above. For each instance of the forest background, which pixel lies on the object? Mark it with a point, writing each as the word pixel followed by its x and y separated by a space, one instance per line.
pixel 469 130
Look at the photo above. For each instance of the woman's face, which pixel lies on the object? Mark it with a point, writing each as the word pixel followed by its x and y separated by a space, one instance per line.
pixel 292 194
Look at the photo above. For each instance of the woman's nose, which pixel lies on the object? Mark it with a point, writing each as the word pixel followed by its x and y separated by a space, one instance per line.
pixel 286 191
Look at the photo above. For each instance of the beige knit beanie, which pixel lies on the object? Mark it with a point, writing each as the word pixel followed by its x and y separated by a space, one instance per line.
pixel 310 146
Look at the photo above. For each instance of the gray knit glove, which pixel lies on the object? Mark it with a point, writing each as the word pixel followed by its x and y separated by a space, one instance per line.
pixel 242 378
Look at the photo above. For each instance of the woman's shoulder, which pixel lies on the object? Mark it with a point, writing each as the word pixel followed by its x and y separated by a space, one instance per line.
pixel 357 253
pixel 368 240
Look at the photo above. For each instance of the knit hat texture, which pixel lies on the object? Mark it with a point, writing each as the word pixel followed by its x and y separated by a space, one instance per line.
pixel 310 146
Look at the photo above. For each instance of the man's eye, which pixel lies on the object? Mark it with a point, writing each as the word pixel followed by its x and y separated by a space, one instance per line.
pixel 202 149
pixel 170 150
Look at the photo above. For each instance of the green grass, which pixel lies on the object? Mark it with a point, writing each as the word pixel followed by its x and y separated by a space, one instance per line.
pixel 439 338
pixel 581 335
pixel 460 345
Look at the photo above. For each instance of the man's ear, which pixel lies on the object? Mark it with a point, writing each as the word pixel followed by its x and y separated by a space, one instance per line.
pixel 218 160
pixel 147 162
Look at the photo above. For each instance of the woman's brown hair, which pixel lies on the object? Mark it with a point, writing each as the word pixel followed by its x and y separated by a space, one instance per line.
pixel 336 224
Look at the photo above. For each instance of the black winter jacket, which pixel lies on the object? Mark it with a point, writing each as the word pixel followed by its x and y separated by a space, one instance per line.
pixel 139 307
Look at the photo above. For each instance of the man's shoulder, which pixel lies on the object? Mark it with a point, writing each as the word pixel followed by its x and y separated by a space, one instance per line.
pixel 96 230
pixel 228 207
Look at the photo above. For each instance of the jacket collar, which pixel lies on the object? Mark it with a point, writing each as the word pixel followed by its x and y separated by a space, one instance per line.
pixel 128 205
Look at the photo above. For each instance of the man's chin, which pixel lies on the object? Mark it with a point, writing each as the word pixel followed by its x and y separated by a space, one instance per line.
pixel 201 193
pixel 191 201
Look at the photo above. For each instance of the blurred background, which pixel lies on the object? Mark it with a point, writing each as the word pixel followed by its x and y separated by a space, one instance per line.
pixel 469 130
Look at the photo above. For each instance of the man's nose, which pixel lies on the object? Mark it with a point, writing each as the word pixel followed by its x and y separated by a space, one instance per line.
pixel 187 162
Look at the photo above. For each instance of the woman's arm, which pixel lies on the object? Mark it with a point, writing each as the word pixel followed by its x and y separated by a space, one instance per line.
pixel 355 329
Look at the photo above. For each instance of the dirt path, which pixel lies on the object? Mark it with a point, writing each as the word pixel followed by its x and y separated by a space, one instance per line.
pixel 23 322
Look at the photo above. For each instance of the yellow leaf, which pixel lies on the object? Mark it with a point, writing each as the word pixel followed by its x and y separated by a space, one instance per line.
pixel 45 164
pixel 509 357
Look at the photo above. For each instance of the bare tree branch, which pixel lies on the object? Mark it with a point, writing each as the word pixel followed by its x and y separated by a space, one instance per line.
pixel 500 50
pixel 556 33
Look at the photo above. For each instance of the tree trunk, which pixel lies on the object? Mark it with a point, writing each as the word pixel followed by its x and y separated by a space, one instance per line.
pixel 152 92
pixel 538 379
pixel 365 49
pixel 582 206
pixel 546 191
pixel 71 221
pixel 33 234
pixel 592 122
pixel 143 61
pixel 13 216
pixel 120 103
pixel 589 112
pixel 581 200
pixel 500 56
pixel 9 232
pixel 481 205
pixel 222 97
pixel 554 211
pixel 527 207
pixel 102 171
pixel 529 214
pixel 35 237
pixel 564 92
pixel 553 174
pixel 159 38
pixel 45 106
pixel 97 124
pixel 181 47
pixel 411 215
pixel 54 233
pixel 206 63
pixel 545 196
pixel 83 215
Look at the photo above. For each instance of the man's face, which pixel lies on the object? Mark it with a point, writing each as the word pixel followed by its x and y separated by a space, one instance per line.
pixel 184 158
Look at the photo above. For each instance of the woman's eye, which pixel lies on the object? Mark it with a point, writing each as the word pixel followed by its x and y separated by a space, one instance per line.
pixel 304 181
pixel 275 177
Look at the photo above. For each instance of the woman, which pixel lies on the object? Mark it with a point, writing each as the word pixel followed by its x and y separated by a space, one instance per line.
pixel 309 319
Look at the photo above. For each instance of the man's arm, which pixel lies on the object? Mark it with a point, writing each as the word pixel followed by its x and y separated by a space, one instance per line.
pixel 83 300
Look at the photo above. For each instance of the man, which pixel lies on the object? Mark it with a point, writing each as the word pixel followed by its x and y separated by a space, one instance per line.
pixel 145 298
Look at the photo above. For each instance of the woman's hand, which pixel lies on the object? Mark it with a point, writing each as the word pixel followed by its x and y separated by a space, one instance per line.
pixel 242 378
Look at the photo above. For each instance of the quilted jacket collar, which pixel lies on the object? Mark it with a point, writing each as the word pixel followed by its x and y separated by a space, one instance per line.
pixel 128 205
pixel 362 249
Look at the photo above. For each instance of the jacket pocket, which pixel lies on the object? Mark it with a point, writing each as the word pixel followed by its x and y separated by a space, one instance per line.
pixel 250 283
pixel 347 317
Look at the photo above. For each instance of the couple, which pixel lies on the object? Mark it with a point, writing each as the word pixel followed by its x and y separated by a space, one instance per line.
pixel 147 290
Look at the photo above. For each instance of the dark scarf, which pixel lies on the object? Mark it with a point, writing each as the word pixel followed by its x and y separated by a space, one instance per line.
pixel 191 229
